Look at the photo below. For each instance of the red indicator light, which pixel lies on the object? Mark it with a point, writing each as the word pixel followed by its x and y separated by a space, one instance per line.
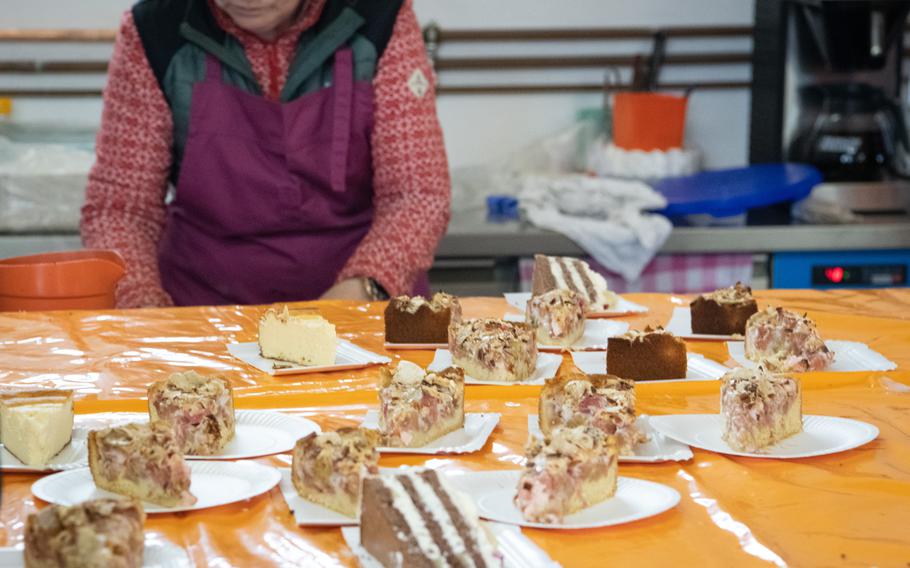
pixel 834 274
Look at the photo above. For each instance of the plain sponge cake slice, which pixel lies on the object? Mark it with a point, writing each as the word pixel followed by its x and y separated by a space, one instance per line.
pixel 141 460
pixel 36 424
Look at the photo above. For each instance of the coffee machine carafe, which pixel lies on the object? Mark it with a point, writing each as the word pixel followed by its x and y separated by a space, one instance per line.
pixel 827 91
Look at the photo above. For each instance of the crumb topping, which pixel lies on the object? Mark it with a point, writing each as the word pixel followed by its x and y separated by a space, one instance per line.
pixel 736 294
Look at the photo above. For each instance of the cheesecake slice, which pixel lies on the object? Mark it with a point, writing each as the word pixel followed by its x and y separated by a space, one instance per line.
pixel 141 460
pixel 36 424
pixel 100 533
pixel 785 342
pixel 570 470
pixel 759 409
pixel 604 402
pixel 199 409
pixel 493 350
pixel 557 316
pixel 302 337
pixel 417 407
pixel 329 468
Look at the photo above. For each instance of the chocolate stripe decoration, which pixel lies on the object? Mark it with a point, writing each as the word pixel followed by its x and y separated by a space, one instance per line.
pixel 567 275
pixel 432 525
pixel 432 478
pixel 589 286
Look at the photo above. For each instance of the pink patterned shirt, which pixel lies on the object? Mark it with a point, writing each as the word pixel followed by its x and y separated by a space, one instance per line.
pixel 125 209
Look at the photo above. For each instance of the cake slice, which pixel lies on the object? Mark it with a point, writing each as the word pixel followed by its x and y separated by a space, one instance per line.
pixel 415 519
pixel 302 337
pixel 141 460
pixel 418 320
pixel 493 350
pixel 647 355
pixel 570 470
pixel 36 424
pixel 199 409
pixel 759 409
pixel 604 402
pixel 417 407
pixel 784 342
pixel 566 273
pixel 557 316
pixel 329 468
pixel 101 533
pixel 724 311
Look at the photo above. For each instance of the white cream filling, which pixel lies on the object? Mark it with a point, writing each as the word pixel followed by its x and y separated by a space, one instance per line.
pixel 439 513
pixel 412 517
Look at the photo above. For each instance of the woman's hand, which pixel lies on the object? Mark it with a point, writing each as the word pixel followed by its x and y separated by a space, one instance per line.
pixel 350 289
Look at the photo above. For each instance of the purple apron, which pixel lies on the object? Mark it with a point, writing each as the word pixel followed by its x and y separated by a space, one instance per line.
pixel 267 208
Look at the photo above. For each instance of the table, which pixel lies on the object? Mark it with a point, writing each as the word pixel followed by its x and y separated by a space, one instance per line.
pixel 846 509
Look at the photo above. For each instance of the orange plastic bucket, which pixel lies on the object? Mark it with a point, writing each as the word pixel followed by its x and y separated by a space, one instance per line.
pixel 648 121
pixel 77 280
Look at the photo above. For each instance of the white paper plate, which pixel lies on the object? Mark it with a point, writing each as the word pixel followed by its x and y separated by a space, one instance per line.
pixel 347 356
pixel 547 366
pixel 471 438
pixel 307 513
pixel 658 448
pixel 258 433
pixel 623 307
pixel 158 553
pixel 634 499
pixel 699 368
pixel 414 346
pixel 214 483
pixel 821 435
pixel 848 356
pixel 680 325
pixel 517 550
pixel 594 339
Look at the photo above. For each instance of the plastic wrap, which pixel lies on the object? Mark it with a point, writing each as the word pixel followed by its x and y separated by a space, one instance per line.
pixel 846 508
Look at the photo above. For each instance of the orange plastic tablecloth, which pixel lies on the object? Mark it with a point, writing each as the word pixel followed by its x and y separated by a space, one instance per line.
pixel 851 508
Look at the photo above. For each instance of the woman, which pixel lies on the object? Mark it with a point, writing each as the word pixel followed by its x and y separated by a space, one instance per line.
pixel 254 151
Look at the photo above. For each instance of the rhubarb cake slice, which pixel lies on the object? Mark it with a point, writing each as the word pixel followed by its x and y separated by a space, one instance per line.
pixel 302 337
pixel 100 533
pixel 604 402
pixel 417 407
pixel 199 409
pixel 415 519
pixel 418 320
pixel 36 424
pixel 759 408
pixel 784 341
pixel 724 311
pixel 329 468
pixel 141 460
pixel 557 316
pixel 493 350
pixel 566 273
pixel 569 470
pixel 647 355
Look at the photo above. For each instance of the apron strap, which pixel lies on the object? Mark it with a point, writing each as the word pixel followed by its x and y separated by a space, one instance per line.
pixel 343 83
pixel 212 69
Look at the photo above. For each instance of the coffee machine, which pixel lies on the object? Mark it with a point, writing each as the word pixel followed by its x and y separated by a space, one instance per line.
pixel 828 91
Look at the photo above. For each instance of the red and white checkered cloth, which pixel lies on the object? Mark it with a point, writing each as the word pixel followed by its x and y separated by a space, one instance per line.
pixel 671 273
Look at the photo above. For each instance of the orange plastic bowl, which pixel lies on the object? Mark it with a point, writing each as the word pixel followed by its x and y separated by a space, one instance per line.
pixel 648 121
pixel 76 280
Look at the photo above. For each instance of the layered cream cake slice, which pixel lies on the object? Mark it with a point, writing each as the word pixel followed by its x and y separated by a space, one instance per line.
pixel 302 337
pixel 417 407
pixel 759 409
pixel 566 273
pixel 36 424
pixel 784 341
pixel 604 402
pixel 569 470
pixel 199 409
pixel 557 316
pixel 493 350
pixel 329 468
pixel 415 519
pixel 141 460
pixel 99 533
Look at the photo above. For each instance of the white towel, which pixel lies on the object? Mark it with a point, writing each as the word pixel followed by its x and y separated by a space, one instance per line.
pixel 605 217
